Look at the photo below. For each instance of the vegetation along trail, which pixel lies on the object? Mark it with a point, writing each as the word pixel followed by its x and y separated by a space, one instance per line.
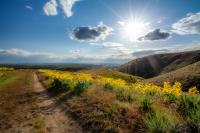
pixel 52 114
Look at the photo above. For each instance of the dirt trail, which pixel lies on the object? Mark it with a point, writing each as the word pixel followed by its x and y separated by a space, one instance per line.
pixel 53 114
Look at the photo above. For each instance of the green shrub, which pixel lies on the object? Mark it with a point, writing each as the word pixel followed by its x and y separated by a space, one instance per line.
pixel 122 94
pixel 151 93
pixel 193 121
pixel 189 108
pixel 61 85
pixel 125 95
pixel 188 103
pixel 170 98
pixel 160 122
pixel 145 104
pixel 81 86
pixel 109 86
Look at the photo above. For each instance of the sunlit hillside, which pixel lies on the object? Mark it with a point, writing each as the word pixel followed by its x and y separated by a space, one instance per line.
pixel 106 104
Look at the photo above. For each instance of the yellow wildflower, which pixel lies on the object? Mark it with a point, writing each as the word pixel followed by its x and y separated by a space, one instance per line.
pixel 193 90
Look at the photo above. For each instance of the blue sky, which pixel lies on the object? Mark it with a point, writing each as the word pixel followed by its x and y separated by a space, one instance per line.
pixel 95 31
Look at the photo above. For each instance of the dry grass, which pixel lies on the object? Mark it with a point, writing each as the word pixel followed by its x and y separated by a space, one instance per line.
pixel 98 111
pixel 18 109
pixel 189 76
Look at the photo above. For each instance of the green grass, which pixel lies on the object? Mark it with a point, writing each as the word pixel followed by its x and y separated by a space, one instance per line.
pixel 110 108
pixel 160 122
pixel 6 78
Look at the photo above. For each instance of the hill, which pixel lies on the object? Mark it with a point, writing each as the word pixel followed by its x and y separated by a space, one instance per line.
pixel 188 76
pixel 153 65
pixel 103 104
pixel 112 74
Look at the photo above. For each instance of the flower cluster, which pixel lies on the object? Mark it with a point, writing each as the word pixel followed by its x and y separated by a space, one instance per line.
pixel 193 90
pixel 146 87
pixel 66 75
pixel 113 82
pixel 175 89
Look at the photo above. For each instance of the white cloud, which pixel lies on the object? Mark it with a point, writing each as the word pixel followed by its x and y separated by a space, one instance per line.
pixel 118 53
pixel 188 25
pixel 28 7
pixel 66 6
pixel 50 8
pixel 117 47
pixel 25 53
pixel 24 56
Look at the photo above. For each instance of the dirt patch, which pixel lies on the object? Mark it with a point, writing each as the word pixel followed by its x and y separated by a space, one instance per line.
pixel 17 102
pixel 53 115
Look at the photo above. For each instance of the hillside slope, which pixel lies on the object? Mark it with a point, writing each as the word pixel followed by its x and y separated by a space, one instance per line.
pixel 112 74
pixel 150 66
pixel 188 76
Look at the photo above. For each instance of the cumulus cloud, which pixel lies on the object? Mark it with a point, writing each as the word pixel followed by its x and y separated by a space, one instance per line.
pixel 118 47
pixel 188 25
pixel 67 7
pixel 91 34
pixel 28 7
pixel 157 34
pixel 50 8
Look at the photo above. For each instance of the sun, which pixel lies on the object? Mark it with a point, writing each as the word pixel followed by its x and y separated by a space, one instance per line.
pixel 135 29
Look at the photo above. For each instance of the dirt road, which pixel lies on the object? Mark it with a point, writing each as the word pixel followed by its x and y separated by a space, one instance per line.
pixel 53 114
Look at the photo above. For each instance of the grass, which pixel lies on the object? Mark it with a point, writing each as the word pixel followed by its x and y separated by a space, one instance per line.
pixel 113 74
pixel 160 122
pixel 17 101
pixel 6 78
pixel 115 107
pixel 189 76
pixel 81 86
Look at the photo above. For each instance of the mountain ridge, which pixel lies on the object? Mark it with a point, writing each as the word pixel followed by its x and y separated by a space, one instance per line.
pixel 154 65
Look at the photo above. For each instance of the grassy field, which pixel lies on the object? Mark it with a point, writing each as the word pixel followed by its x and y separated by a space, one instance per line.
pixel 6 78
pixel 97 100
pixel 105 104
pixel 18 110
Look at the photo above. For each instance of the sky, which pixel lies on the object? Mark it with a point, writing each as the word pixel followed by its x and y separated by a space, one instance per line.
pixel 96 31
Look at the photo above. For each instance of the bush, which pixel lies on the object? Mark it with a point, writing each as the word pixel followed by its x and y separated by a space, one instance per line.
pixel 189 107
pixel 170 98
pixel 125 95
pixel 146 104
pixel 109 86
pixel 193 121
pixel 122 93
pixel 159 122
pixel 151 93
pixel 81 86
pixel 188 103
pixel 61 85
